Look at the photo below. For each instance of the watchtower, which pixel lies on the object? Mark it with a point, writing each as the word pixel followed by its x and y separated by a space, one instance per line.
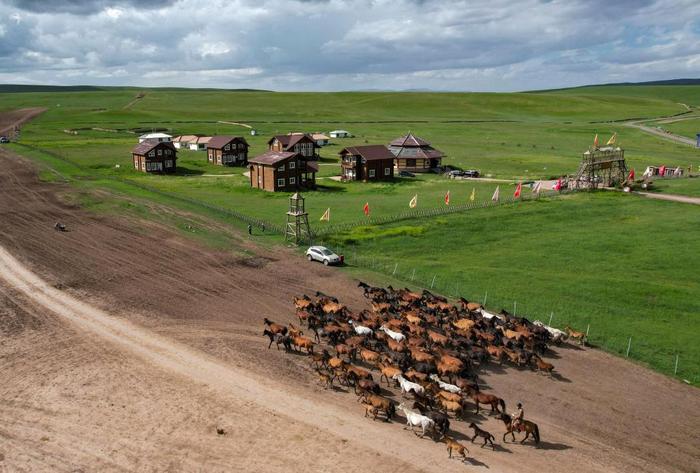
pixel 603 167
pixel 298 229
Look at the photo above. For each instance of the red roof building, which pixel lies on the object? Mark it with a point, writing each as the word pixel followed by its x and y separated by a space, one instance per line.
pixel 415 154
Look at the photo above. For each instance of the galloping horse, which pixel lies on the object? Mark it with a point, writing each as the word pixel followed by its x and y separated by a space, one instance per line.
pixel 530 428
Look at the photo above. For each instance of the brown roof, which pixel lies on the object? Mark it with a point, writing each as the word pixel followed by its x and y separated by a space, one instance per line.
pixel 288 141
pixel 369 152
pixel 220 141
pixel 312 165
pixel 410 140
pixel 272 157
pixel 147 145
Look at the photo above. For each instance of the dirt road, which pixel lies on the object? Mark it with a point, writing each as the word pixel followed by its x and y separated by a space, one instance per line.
pixel 672 197
pixel 126 345
pixel 662 134
pixel 9 121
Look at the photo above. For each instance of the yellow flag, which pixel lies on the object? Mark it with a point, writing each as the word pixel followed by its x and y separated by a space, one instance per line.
pixel 595 141
pixel 473 196
pixel 326 215
pixel 612 139
pixel 413 202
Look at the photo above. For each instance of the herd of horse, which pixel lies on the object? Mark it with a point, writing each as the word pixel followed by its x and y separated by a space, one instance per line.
pixel 423 345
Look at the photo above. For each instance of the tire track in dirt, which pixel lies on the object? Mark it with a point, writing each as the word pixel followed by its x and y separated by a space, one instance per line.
pixel 183 361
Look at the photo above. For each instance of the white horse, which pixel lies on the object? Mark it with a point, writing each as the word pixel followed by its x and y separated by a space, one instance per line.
pixel 360 329
pixel 557 335
pixel 446 386
pixel 489 315
pixel 407 386
pixel 397 336
pixel 416 419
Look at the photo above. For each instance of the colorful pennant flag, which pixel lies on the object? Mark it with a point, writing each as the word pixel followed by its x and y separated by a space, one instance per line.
pixel 557 186
pixel 537 188
pixel 595 141
pixel 366 209
pixel 662 171
pixel 326 215
pixel 497 194
pixel 447 198
pixel 631 175
pixel 518 191
pixel 413 202
pixel 612 139
pixel 473 196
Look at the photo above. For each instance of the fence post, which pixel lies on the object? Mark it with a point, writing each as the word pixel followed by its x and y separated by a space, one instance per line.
pixel 588 329
pixel 629 345
pixel 395 268
pixel 485 297
pixel 675 369
pixel 432 283
pixel 515 307
pixel 551 315
pixel 413 274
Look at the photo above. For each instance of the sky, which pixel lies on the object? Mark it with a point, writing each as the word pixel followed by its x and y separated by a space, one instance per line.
pixel 327 45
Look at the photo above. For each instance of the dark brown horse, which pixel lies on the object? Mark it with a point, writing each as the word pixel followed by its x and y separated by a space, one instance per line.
pixel 489 399
pixel 530 428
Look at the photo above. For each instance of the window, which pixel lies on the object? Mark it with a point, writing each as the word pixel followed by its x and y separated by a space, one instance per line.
pixel 259 177
pixel 168 163
pixel 160 152
pixel 292 165
pixel 387 171
pixel 411 163
pixel 280 182
pixel 211 156
pixel 227 147
pixel 281 168
pixel 136 163
pixel 372 173
pixel 292 181
pixel 152 154
pixel 168 152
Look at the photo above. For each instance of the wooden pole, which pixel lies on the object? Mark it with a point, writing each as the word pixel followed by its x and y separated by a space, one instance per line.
pixel 629 345
pixel 551 315
pixel 395 268
pixel 432 283
pixel 675 369
pixel 485 297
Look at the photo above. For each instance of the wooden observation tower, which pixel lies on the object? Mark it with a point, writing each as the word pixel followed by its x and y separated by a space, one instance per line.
pixel 601 167
pixel 298 229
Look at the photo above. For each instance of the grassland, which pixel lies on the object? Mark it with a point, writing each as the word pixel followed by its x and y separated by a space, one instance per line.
pixel 623 265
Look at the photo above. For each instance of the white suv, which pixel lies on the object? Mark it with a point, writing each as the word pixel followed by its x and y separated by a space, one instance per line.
pixel 322 254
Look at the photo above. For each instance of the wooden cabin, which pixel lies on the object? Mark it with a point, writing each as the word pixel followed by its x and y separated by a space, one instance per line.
pixel 366 163
pixel 154 156
pixel 282 171
pixel 415 154
pixel 227 151
pixel 301 143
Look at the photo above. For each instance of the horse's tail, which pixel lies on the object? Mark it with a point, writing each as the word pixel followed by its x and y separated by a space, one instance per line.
pixel 503 404
pixel 536 433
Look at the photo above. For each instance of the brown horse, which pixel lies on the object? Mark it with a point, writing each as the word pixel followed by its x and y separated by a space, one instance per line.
pixel 490 399
pixel 530 428
pixel 576 335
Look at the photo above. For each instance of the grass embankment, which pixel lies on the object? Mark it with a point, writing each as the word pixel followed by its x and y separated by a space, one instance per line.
pixel 628 267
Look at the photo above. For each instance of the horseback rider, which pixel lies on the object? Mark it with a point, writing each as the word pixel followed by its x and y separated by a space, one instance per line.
pixel 517 418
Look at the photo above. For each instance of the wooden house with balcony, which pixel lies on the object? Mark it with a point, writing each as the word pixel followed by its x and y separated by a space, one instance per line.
pixel 154 156
pixel 227 151
pixel 282 171
pixel 366 163
pixel 301 143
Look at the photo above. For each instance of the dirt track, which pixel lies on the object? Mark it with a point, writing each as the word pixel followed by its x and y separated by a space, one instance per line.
pixel 152 341
pixel 15 118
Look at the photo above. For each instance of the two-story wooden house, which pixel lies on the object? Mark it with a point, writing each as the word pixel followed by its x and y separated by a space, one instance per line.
pixel 227 151
pixel 154 156
pixel 301 143
pixel 282 171
pixel 415 154
pixel 366 163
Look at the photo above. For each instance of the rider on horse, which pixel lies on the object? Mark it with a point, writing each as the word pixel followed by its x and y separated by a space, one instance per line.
pixel 517 418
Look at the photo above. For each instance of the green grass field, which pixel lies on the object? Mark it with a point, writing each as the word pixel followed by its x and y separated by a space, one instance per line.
pixel 625 265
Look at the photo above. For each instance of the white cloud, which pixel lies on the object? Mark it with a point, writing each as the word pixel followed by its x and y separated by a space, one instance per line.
pixel 334 44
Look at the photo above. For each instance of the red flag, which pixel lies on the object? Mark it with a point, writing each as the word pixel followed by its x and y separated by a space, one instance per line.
pixel 662 171
pixel 595 141
pixel 447 198
pixel 631 176
pixel 366 209
pixel 557 186
pixel 518 190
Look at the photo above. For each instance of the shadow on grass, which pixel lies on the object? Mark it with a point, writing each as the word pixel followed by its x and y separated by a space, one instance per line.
pixel 185 171
pixel 334 189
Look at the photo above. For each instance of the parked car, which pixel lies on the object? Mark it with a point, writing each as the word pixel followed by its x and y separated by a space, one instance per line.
pixel 471 173
pixel 4 139
pixel 322 254
pixel 455 173
pixel 406 174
